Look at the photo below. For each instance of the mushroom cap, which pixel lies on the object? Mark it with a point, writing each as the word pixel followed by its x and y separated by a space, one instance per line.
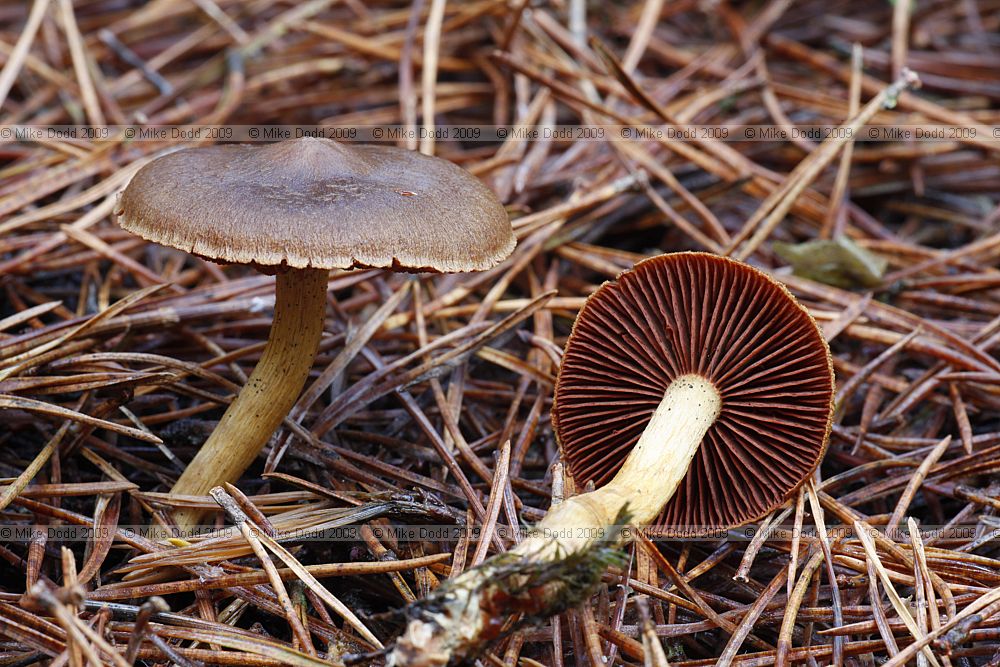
pixel 318 203
pixel 684 313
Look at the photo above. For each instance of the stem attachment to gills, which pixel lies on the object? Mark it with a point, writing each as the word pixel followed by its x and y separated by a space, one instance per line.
pixel 558 565
pixel 270 391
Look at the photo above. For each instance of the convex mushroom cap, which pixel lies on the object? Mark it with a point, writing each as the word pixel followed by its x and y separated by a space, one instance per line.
pixel 317 203
pixel 699 314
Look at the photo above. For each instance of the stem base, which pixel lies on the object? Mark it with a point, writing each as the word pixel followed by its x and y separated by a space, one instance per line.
pixel 539 577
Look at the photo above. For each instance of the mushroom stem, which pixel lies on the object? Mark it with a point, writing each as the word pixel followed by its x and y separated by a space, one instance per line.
pixel 270 391
pixel 648 477
pixel 458 621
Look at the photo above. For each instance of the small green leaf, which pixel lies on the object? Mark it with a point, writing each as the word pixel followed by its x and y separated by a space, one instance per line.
pixel 840 262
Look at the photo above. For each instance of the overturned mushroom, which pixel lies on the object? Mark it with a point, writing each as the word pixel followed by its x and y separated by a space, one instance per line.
pixel 695 393
pixel 298 209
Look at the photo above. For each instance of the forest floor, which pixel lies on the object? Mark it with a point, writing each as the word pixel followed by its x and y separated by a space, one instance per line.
pixel 611 132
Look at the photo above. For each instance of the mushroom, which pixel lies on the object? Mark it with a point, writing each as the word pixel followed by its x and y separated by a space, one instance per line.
pixel 695 393
pixel 297 209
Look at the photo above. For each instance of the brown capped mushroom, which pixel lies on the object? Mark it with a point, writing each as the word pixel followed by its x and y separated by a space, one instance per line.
pixel 696 394
pixel 298 209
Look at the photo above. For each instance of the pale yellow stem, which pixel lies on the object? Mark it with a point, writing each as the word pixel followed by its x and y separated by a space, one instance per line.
pixel 648 478
pixel 270 391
